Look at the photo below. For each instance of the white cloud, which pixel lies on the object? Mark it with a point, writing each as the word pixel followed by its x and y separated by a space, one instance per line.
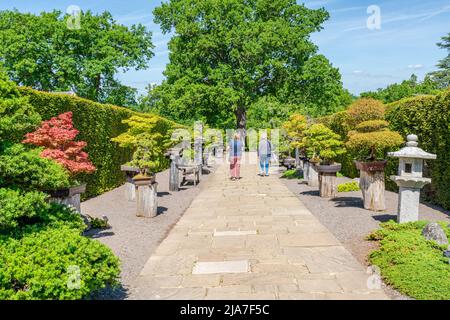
pixel 415 66
pixel 368 75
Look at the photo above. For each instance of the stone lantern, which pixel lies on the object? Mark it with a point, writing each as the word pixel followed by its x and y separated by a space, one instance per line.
pixel 410 179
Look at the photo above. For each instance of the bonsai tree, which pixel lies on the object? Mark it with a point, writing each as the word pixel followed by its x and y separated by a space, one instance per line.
pixel 324 146
pixel 57 137
pixel 295 128
pixel 150 137
pixel 369 142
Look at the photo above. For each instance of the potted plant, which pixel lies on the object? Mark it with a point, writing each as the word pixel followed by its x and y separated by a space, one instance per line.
pixel 57 136
pixel 324 146
pixel 149 137
pixel 369 142
pixel 295 128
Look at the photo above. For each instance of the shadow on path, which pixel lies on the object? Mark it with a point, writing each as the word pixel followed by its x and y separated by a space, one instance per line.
pixel 354 202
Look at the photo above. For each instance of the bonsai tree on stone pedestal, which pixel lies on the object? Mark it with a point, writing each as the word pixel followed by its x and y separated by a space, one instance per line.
pixel 324 146
pixel 57 136
pixel 369 143
pixel 295 128
pixel 150 137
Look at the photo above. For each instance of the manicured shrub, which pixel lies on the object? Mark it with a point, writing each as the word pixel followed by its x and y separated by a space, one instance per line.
pixel 411 264
pixel 97 123
pixel 348 186
pixel 373 145
pixel 17 116
pixel 428 117
pixel 54 263
pixel 17 208
pixel 372 139
pixel 365 109
pixel 149 137
pixel 57 137
pixel 26 169
pixel 323 144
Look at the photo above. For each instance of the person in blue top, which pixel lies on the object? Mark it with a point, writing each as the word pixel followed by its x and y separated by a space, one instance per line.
pixel 264 154
pixel 235 152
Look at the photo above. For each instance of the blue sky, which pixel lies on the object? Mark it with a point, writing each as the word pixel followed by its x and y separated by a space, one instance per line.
pixel 368 59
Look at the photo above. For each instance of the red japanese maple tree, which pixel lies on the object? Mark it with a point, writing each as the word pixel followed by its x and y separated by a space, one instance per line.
pixel 57 137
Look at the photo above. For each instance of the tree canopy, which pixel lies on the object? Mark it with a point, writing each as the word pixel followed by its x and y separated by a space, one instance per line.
pixel 406 88
pixel 442 76
pixel 40 51
pixel 227 54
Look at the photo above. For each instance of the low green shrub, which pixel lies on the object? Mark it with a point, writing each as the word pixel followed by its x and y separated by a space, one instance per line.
pixel 292 174
pixel 348 186
pixel 54 263
pixel 17 207
pixel 17 115
pixel 26 169
pixel 410 263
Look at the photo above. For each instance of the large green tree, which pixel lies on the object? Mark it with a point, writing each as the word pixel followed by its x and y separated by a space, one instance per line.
pixel 42 52
pixel 442 76
pixel 227 54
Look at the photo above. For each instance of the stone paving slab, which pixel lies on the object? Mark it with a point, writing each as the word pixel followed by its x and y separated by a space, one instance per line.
pixel 251 239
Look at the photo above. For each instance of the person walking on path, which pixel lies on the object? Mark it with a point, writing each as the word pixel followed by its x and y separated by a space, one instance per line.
pixel 264 154
pixel 235 152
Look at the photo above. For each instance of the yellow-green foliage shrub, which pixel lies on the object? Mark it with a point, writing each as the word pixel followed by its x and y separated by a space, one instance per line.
pixel 429 118
pixel 149 137
pixel 365 109
pixel 98 124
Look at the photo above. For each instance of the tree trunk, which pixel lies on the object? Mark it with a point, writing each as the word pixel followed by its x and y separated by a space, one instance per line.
pixel 372 188
pixel 241 117
pixel 327 185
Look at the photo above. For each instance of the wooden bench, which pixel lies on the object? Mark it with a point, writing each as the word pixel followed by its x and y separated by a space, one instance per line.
pixel 190 169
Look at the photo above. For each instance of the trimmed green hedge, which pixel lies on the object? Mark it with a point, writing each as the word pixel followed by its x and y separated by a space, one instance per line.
pixel 429 118
pixel 97 123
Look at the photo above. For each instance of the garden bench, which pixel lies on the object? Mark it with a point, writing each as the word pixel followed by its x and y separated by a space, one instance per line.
pixel 192 170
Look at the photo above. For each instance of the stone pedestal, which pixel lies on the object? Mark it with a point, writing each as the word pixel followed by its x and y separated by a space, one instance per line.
pixel 297 159
pixel 147 199
pixel 130 187
pixel 174 181
pixel 328 180
pixel 409 197
pixel 371 183
pixel 408 205
pixel 313 176
pixel 130 190
pixel 69 197
pixel 306 166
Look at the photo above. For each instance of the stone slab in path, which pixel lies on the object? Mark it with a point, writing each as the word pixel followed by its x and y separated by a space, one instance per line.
pixel 211 253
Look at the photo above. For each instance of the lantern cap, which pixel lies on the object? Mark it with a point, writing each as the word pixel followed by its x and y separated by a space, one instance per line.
pixel 412 150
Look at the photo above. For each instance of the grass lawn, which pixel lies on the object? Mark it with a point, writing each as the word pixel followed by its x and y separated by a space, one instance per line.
pixel 411 264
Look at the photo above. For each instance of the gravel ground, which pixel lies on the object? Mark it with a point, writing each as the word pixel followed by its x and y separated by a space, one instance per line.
pixel 346 218
pixel 134 239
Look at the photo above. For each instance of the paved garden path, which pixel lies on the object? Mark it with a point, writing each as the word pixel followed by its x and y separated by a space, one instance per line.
pixel 251 239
